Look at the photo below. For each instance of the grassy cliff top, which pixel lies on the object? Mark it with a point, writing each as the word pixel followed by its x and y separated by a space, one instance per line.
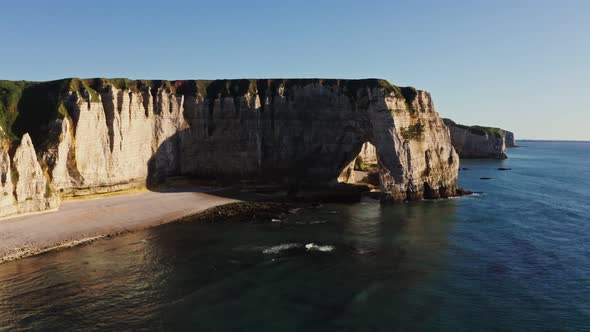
pixel 27 106
pixel 210 88
pixel 477 130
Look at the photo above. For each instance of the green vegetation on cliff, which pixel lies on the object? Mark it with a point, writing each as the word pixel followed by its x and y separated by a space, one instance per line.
pixel 83 89
pixel 29 107
pixel 40 104
pixel 477 130
pixel 409 93
pixel 122 83
pixel 10 94
pixel 413 131
pixel 230 88
pixel 359 164
pixel 355 87
pixel 33 106
pixel 89 89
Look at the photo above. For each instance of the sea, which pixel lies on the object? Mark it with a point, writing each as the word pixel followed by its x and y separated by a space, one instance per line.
pixel 515 256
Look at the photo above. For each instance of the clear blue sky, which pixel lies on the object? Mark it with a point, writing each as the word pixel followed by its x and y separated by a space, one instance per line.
pixel 519 65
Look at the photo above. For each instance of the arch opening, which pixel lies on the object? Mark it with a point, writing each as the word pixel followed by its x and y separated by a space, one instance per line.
pixel 364 168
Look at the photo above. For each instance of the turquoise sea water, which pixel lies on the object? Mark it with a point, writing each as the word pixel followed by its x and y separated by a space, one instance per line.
pixel 515 257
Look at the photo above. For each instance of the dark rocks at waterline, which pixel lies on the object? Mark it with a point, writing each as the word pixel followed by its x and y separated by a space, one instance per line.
pixel 464 192
pixel 504 169
pixel 458 193
pixel 465 169
pixel 241 212
pixel 376 195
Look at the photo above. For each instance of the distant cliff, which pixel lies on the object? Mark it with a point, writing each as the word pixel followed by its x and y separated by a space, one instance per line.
pixel 509 139
pixel 477 142
pixel 77 136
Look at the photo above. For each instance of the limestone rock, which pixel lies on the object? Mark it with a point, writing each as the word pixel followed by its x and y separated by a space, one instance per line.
pixel 115 134
pixel 368 154
pixel 348 174
pixel 477 142
pixel 31 190
pixel 7 201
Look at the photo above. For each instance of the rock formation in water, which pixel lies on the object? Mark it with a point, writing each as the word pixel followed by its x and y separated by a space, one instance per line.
pixel 509 139
pixel 477 142
pixel 101 135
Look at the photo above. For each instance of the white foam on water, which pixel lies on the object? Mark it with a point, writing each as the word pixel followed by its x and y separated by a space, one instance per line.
pixel 280 247
pixel 313 222
pixel 315 247
pixel 466 196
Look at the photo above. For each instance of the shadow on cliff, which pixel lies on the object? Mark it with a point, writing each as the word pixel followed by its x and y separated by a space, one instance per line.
pixel 171 169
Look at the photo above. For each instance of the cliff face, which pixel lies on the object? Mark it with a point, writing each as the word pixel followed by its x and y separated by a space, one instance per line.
pixel 103 135
pixel 477 142
pixel 509 138
pixel 23 184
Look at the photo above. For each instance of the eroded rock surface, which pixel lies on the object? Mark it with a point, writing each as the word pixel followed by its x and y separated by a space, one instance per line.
pixel 103 135
pixel 7 201
pixel 31 190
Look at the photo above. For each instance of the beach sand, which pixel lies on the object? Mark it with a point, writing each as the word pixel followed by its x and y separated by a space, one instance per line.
pixel 82 221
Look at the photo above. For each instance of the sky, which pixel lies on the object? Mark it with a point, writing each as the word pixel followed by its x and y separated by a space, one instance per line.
pixel 519 65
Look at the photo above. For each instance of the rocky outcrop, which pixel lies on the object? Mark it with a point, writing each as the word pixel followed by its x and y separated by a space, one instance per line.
pixel 7 201
pixel 24 186
pixel 103 135
pixel 509 139
pixel 477 142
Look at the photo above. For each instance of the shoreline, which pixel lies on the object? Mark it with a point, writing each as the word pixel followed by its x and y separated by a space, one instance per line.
pixel 83 221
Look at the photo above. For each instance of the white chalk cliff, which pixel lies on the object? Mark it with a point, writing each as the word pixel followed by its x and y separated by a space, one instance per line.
pixel 477 142
pixel 112 136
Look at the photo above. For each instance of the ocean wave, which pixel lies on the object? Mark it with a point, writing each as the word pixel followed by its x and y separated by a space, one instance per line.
pixel 313 222
pixel 297 248
pixel 315 247
pixel 281 247
pixel 475 194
